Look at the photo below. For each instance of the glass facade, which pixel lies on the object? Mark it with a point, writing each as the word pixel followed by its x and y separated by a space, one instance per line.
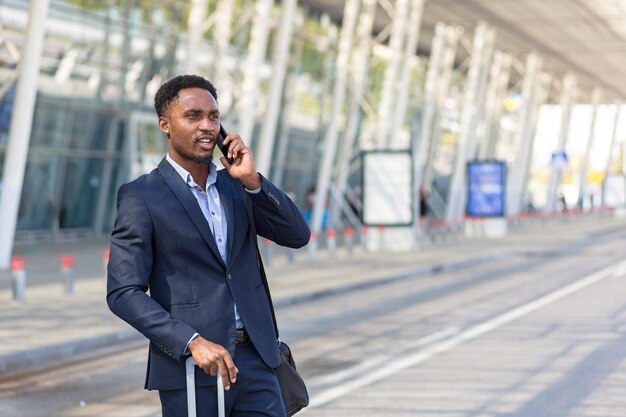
pixel 68 165
pixel 94 127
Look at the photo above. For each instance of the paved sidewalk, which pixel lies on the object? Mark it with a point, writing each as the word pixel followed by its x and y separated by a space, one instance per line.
pixel 51 328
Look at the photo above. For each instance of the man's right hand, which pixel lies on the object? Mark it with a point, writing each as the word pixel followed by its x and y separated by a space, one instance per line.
pixel 213 358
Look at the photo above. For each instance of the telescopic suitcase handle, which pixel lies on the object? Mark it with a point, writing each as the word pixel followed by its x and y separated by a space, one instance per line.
pixel 190 365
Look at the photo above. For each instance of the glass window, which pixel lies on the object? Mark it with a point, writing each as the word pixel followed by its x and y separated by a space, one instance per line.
pixel 83 177
pixel 38 205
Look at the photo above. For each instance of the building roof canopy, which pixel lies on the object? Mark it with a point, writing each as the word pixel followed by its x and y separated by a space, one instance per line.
pixel 586 38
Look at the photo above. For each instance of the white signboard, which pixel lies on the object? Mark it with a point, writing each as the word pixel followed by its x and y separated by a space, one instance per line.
pixel 615 191
pixel 387 188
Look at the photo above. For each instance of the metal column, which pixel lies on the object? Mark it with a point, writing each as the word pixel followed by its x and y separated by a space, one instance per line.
pixel 339 93
pixel 223 24
pixel 21 124
pixel 443 80
pixel 107 172
pixel 280 161
pixel 256 56
pixel 360 74
pixel 415 23
pixel 568 96
pixel 106 46
pixel 288 99
pixel 456 195
pixel 497 91
pixel 596 96
pixel 619 107
pixel 618 113
pixel 518 173
pixel 279 68
pixel 390 83
pixel 435 63
pixel 195 34
pixel 477 127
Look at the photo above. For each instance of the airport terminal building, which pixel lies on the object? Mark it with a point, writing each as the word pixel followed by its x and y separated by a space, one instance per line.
pixel 311 85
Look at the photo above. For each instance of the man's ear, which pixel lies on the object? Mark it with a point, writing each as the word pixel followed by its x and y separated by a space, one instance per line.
pixel 164 125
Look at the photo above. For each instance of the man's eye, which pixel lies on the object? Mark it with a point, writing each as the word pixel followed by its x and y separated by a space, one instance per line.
pixel 215 117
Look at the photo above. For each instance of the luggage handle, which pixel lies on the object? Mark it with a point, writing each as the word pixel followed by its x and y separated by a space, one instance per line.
pixel 190 365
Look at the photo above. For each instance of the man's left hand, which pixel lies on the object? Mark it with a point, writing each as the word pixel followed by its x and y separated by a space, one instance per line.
pixel 242 167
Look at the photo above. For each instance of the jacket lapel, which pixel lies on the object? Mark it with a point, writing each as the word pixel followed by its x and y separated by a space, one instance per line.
pixel 190 204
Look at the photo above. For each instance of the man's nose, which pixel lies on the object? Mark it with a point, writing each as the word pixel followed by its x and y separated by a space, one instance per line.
pixel 208 124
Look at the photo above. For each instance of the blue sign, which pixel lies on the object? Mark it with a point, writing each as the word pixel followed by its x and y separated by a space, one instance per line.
pixel 559 160
pixel 486 186
pixel 6 108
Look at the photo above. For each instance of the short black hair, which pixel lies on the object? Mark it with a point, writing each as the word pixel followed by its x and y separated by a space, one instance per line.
pixel 168 92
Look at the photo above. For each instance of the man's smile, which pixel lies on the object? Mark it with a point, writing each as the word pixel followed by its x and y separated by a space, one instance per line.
pixel 206 142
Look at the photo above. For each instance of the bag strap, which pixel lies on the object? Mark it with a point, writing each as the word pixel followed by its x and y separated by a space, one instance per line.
pixel 248 204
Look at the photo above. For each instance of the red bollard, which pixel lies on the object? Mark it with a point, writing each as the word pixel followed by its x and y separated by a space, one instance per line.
pixel 267 246
pixel 348 238
pixel 381 237
pixel 67 269
pixel 18 279
pixel 105 260
pixel 313 246
pixel 331 242
pixel 363 238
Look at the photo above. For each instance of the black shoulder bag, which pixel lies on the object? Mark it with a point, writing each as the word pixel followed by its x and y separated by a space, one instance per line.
pixel 292 388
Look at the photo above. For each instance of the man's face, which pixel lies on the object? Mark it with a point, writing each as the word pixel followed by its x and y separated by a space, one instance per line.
pixel 192 124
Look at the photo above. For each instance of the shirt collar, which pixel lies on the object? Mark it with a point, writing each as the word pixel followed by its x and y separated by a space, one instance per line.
pixel 186 176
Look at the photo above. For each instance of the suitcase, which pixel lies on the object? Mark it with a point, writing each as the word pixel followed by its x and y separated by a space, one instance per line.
pixel 190 366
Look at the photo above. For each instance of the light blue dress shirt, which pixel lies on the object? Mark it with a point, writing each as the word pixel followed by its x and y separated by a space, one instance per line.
pixel 213 211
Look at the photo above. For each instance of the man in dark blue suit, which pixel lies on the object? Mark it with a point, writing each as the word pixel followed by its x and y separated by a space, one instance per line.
pixel 183 234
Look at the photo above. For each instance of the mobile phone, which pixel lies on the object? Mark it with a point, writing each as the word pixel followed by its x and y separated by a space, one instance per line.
pixel 220 143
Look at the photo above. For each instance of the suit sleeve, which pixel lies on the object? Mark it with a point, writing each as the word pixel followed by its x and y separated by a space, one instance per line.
pixel 128 276
pixel 277 218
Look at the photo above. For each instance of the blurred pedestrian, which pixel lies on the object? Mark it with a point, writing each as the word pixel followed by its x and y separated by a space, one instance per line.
pixel 182 233
pixel 423 201
pixel 311 198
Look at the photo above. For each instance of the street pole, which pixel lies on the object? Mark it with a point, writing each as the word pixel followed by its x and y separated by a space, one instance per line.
pixel 21 124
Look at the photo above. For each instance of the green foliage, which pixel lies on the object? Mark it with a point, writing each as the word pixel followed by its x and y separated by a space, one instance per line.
pixel 176 12
pixel 92 4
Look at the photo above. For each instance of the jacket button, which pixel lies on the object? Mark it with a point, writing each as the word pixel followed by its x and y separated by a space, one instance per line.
pixel 230 276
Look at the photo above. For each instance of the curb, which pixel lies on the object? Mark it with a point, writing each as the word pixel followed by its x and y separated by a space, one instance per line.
pixel 18 363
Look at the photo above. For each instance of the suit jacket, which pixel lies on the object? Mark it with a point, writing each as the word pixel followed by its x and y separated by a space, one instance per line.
pixel 162 243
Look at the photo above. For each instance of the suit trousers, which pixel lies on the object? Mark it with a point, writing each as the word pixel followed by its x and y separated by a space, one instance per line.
pixel 255 394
